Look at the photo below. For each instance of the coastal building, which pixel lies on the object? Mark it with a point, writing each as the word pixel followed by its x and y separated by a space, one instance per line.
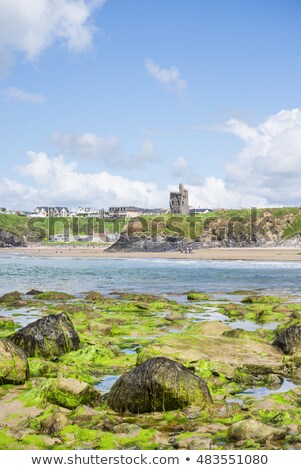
pixel 153 211
pixel 200 211
pixel 178 201
pixel 47 211
pixel 125 211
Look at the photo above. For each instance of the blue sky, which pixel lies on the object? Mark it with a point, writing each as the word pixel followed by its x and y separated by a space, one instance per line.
pixel 114 102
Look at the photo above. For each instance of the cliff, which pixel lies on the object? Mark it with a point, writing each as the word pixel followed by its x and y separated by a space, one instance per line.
pixel 7 239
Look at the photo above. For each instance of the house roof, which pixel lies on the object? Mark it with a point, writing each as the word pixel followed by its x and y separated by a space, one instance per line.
pixel 47 208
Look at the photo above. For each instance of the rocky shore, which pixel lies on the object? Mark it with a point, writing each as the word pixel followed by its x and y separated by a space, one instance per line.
pixel 139 371
pixel 147 244
pixel 9 239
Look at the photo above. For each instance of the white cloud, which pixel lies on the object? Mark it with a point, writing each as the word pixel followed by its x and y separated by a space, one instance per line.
pixel 54 181
pixel 15 195
pixel 31 26
pixel 105 149
pixel 269 164
pixel 214 193
pixel 267 172
pixel 170 78
pixel 15 94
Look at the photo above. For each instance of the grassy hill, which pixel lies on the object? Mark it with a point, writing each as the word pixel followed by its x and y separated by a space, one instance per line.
pixel 278 223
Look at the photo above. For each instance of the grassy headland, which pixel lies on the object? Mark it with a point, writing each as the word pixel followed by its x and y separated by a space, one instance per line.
pixel 240 226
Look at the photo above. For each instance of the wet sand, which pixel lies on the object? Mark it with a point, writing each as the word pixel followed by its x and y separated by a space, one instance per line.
pixel 255 254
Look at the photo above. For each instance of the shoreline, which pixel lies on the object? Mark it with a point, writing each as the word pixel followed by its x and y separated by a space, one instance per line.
pixel 226 254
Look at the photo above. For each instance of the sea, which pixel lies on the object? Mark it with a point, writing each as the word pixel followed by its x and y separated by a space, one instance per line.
pixel 159 276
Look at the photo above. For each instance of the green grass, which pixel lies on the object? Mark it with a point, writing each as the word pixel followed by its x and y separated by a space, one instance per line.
pixel 190 227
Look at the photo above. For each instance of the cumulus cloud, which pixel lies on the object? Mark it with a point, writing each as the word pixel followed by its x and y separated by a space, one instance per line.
pixel 31 26
pixel 269 164
pixel 13 193
pixel 266 173
pixel 170 78
pixel 55 181
pixel 21 96
pixel 213 192
pixel 105 149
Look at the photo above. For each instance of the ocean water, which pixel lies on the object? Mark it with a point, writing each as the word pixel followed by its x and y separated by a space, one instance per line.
pixel 172 277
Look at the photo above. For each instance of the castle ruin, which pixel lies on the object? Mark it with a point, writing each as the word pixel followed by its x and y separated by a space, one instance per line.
pixel 178 201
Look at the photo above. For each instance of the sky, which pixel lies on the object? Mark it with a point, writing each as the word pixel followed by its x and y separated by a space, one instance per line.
pixel 115 102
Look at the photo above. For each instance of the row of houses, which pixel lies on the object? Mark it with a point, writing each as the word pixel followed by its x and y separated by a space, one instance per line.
pixel 56 211
pixel 113 212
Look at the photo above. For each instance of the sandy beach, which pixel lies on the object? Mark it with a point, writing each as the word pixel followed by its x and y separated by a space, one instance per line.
pixel 255 254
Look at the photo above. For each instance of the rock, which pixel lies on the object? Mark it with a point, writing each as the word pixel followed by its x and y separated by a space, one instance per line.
pixel 193 443
pixel 54 423
pixel 11 297
pixel 125 428
pixel 70 393
pixel 200 443
pixel 85 416
pixel 289 340
pixel 14 367
pixel 8 238
pixel 261 299
pixel 159 384
pixel 146 243
pixel 50 337
pixel 53 295
pixel 252 429
pixel 34 292
pixel 175 316
pixel 197 296
pixel 94 296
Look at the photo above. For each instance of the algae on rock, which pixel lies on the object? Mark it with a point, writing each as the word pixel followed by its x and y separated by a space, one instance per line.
pixel 13 363
pixel 159 384
pixel 49 337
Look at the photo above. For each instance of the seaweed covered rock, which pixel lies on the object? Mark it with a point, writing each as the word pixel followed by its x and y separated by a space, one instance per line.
pixel 93 296
pixel 50 337
pixel 10 297
pixel 289 340
pixel 159 384
pixel 71 393
pixel 53 296
pixel 13 363
pixel 62 391
pixel 197 296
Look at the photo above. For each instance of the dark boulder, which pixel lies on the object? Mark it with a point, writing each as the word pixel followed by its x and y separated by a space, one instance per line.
pixel 289 340
pixel 50 337
pixel 13 363
pixel 34 292
pixel 146 243
pixel 159 384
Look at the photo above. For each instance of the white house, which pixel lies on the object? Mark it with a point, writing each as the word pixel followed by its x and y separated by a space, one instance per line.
pixel 47 211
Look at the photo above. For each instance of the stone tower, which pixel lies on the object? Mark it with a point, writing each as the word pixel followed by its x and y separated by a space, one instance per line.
pixel 178 201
